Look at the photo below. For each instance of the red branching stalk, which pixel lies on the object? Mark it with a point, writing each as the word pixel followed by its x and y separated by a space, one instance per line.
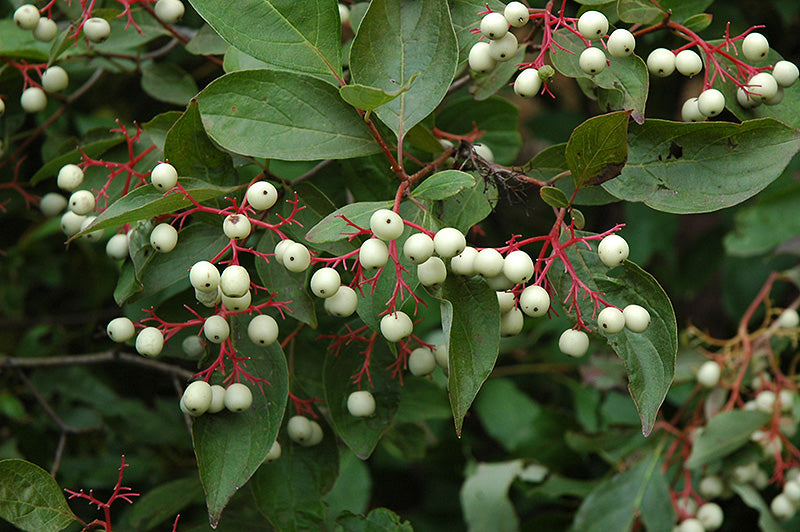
pixel 24 69
pixel 31 200
pixel 303 406
pixel 120 492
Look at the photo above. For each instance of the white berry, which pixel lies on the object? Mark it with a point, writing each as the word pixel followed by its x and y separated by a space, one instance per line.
pixel 275 450
pixel 789 319
pixel 26 17
pixel 592 61
pixel 396 326
pixel 55 79
pixel 120 330
pixel 480 60
pixel 746 100
pixel 711 487
pixel 690 112
pixel 432 272
pixel 792 491
pixel 92 236
pixel 421 362
pixel 517 14
pixel 280 248
pixel 621 43
pixel 208 298
pixel 661 62
pixel 386 225
pixel 573 343
pixel 71 222
pixel 593 25
pixel 33 100
pixel 81 202
pixel 708 374
pixel 197 398
pixel 299 429
pixel 343 303
pixel 691 525
pixel 494 25
pixel 216 329
pixel 52 204
pixel 782 507
pixel 149 342
pixel 204 276
pixel 511 322
pixel 610 320
pixel 755 47
pixel 70 177
pixel 46 30
pixel 528 83
pixel 785 73
pixel 534 301
pixel 238 397
pixel 164 238
pixel 613 250
pixel 237 304
pixel 373 254
pixel 97 29
pixel 518 266
pixel 234 281
pixel 765 401
pixel 418 248
pixel 263 330
pixel 236 226
pixel 505 301
pixel 464 262
pixel 325 282
pixel 164 176
pixel 193 346
pixel 169 11
pixel 637 319
pixel 711 102
pixel 441 355
pixel 449 242
pixel 488 262
pixel 762 86
pixel 117 247
pixel 361 404
pixel 316 435
pixel 504 48
pixel 217 397
pixel 2 107
pixel 688 63
pixel 482 150
pixel 262 195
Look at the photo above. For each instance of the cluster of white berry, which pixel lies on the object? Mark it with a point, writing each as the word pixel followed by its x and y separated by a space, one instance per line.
pixel 200 398
pixel 502 45
pixel 304 431
pixel 708 516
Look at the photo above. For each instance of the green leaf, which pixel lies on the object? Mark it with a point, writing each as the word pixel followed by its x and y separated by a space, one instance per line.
pixel 761 227
pixel 469 206
pixel 637 11
pixel 286 285
pixel 443 185
pixel 30 498
pixel 317 206
pixel 148 202
pixel 597 149
pixel 628 75
pixel 702 167
pixel 282 115
pixel 93 148
pixel 554 197
pixel 725 433
pixel 289 490
pixel 21 44
pixel 498 78
pixel 369 98
pixel 378 520
pixel 616 504
pixel 191 152
pixel 295 35
pixel 207 42
pixel 649 356
pixel 497 117
pixel 333 227
pixel 752 498
pixel 230 447
pixel 158 128
pixel 698 22
pixel 471 324
pixel 484 497
pixel 396 40
pixel 236 59
pixel 167 82
pixel 361 434
pixel 164 502
pixel 352 489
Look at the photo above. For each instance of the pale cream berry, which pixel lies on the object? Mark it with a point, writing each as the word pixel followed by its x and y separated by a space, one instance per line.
pixel 164 176
pixel 262 195
pixel 396 326
pixel 442 356
pixel 504 48
pixel 421 362
pixel 534 301
pixel 275 450
pixel 373 254
pixel 610 320
pixel 26 17
pixel 316 435
pixel 517 14
pixel 46 30
pixel 193 346
pixel 53 204
pixel 343 303
pixel 299 429
pixel 149 342
pixel 237 304
pixel 637 319
pixel 204 276
pixel 55 79
pixel 169 11
pixel 613 250
pixel 325 282
pixel 449 242
pixel 117 247
pixel 494 25
pixel 755 47
pixel 573 343
pixel 418 248
pixel 238 397
pixel 97 29
pixel 688 63
pixel 164 238
pixel 280 248
pixel 661 62
pixel 81 202
pixel 361 404
pixel 505 301
pixel 518 266
pixel 511 322
pixel 216 329
pixel 120 329
pixel 234 281
pixel 197 398
pixel 70 177
pixel 432 272
pixel 785 73
pixel 217 397
pixel 621 43
pixel 296 258
pixel 92 236
pixel 488 262
pixel 593 25
pixel 464 262
pixel 386 225
pixel 236 226
pixel 708 374
pixel 480 60
pixel 33 100
pixel 263 330
pixel 71 223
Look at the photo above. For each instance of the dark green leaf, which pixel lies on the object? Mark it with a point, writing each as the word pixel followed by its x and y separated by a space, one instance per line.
pixel 333 227
pixel 236 59
pixel 649 356
pixel 760 227
pixel 597 149
pixel 230 447
pixel 167 82
pixel 92 149
pixel 617 503
pixel 469 206
pixel 397 40
pixel 361 434
pixel 158 128
pixel 317 206
pixel 295 35
pixel 30 498
pixel 370 98
pixel 443 185
pixel 289 491
pixel 471 323
pixel 725 433
pixel 497 117
pixel 352 489
pixel 698 22
pixel 484 497
pixel 207 42
pixel 378 520
pixel 637 11
pixel 189 150
pixel 148 202
pixel 164 502
pixel 702 167
pixel 282 115
pixel 554 197
pixel 491 82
